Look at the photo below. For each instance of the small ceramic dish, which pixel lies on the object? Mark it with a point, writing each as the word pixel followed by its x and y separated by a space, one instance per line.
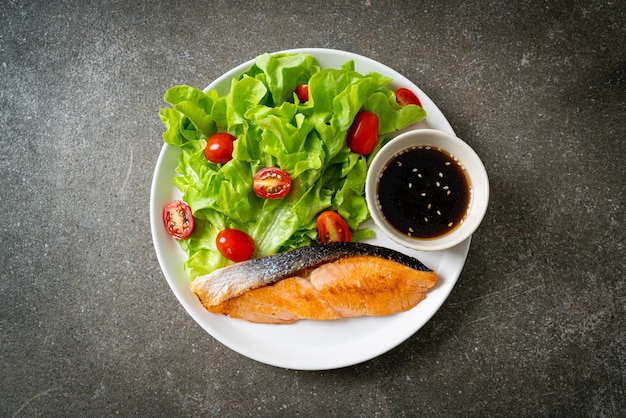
pixel 427 190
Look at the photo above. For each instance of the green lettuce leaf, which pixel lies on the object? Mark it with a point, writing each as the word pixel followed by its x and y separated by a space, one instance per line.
pixel 273 129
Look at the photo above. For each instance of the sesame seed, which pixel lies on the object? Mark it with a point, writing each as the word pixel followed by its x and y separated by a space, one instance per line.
pixel 414 170
pixel 440 174
pixel 438 213
pixel 419 175
pixel 410 185
pixel 425 219
pixel 423 194
pixel 447 162
pixel 429 205
pixel 448 192
pixel 450 225
pixel 438 184
pixel 446 187
pixel 410 229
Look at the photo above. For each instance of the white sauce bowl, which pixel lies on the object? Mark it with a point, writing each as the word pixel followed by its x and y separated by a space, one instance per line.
pixel 475 173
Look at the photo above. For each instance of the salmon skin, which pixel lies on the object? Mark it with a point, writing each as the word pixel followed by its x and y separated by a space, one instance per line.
pixel 231 281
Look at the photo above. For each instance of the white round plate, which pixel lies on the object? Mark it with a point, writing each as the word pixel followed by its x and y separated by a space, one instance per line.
pixel 307 345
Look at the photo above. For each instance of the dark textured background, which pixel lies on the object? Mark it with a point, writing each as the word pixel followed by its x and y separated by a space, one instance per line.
pixel 536 324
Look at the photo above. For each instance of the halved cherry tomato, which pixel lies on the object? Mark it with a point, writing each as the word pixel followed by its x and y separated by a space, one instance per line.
pixel 332 228
pixel 363 134
pixel 219 148
pixel 405 97
pixel 234 244
pixel 271 183
pixel 302 91
pixel 178 219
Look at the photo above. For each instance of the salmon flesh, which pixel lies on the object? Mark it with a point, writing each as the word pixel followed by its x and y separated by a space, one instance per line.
pixel 323 281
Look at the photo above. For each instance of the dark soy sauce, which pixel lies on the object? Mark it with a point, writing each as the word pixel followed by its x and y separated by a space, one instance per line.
pixel 423 192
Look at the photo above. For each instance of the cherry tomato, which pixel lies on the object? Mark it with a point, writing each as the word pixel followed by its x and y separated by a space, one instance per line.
pixel 332 228
pixel 234 244
pixel 363 134
pixel 219 148
pixel 302 91
pixel 178 219
pixel 271 183
pixel 405 97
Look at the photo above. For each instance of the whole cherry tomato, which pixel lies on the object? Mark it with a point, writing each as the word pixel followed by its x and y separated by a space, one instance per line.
pixel 332 228
pixel 271 183
pixel 178 219
pixel 405 97
pixel 219 148
pixel 363 134
pixel 234 244
pixel 302 91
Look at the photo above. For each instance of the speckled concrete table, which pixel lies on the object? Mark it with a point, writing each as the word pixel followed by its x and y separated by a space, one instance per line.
pixel 536 323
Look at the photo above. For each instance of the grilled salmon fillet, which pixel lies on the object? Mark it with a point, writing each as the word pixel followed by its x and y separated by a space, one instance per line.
pixel 373 282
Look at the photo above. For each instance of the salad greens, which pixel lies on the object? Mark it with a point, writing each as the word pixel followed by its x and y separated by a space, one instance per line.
pixel 274 129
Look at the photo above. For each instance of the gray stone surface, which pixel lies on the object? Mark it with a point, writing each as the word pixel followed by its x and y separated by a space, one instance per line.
pixel 536 324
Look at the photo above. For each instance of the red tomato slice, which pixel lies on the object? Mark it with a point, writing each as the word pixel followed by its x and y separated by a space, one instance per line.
pixel 302 91
pixel 332 228
pixel 178 219
pixel 219 148
pixel 271 183
pixel 405 97
pixel 234 244
pixel 363 134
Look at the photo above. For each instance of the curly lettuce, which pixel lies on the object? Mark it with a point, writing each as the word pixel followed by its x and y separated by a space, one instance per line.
pixel 274 129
